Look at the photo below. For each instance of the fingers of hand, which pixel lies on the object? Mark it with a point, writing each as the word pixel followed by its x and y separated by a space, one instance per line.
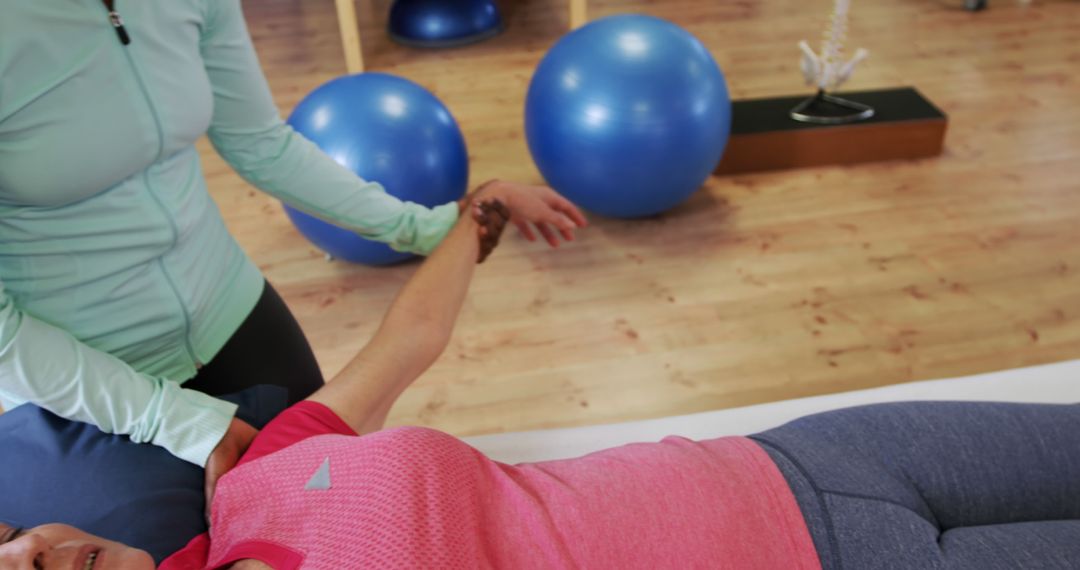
pixel 226 454
pixel 567 208
pixel 549 234
pixel 565 224
pixel 212 475
pixel 526 229
pixel 566 234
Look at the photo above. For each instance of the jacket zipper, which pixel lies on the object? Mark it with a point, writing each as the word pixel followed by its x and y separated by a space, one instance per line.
pixel 117 23
pixel 125 39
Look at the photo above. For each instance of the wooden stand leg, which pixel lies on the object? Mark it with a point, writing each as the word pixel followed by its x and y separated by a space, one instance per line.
pixel 578 15
pixel 350 36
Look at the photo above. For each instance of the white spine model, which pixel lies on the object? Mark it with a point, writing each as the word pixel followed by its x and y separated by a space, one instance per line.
pixel 828 70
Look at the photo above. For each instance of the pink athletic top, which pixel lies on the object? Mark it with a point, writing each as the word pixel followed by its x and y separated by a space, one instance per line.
pixel 310 494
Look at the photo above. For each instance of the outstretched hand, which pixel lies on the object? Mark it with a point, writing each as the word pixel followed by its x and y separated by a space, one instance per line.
pixel 225 456
pixel 536 209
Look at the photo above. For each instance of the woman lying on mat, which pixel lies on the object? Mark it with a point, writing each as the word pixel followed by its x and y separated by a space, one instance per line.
pixel 920 485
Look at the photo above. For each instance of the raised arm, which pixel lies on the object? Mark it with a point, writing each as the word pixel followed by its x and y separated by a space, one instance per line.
pixel 417 328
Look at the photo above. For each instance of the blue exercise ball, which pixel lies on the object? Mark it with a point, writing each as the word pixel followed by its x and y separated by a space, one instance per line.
pixel 444 23
pixel 627 116
pixel 388 130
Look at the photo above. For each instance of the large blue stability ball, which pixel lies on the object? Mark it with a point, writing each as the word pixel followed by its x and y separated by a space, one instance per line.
pixel 387 130
pixel 444 23
pixel 627 116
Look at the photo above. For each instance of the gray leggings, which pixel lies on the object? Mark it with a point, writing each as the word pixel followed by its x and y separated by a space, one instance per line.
pixel 937 485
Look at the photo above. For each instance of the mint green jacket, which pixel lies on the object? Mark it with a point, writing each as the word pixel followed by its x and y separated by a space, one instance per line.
pixel 117 275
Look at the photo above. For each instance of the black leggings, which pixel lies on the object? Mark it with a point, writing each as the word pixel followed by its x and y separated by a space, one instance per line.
pixel 268 348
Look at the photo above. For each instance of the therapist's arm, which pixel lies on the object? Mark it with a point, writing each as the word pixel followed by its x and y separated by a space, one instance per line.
pixel 248 132
pixel 45 365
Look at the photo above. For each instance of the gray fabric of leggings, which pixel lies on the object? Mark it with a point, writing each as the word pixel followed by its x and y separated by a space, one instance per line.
pixel 937 485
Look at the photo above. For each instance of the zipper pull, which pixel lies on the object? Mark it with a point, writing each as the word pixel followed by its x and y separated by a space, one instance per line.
pixel 118 25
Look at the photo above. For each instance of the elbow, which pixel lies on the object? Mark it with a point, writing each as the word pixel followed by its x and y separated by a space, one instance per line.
pixel 253 153
pixel 428 350
pixel 425 335
pixel 429 342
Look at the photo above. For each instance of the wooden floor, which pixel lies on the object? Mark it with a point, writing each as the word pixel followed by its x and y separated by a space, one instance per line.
pixel 761 287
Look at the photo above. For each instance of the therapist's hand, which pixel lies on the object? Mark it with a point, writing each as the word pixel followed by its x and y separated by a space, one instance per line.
pixel 535 209
pixel 224 457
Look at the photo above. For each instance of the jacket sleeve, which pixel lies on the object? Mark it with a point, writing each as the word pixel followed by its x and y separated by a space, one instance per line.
pixel 250 135
pixel 46 366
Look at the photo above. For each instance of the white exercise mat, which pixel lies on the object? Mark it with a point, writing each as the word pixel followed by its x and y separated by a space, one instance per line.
pixel 1050 383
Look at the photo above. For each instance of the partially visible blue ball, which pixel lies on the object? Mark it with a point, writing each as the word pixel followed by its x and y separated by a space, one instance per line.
pixel 388 130
pixel 444 23
pixel 627 116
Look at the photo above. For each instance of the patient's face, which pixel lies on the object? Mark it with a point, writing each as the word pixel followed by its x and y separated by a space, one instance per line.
pixel 59 546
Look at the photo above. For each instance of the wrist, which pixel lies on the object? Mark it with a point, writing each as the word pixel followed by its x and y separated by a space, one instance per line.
pixel 490 189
